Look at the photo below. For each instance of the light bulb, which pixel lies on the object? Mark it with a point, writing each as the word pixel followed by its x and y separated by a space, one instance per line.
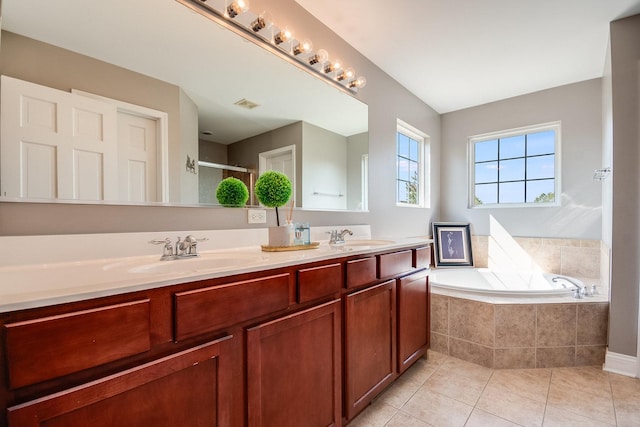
pixel 282 36
pixel 320 57
pixel 332 66
pixel 302 47
pixel 358 83
pixel 263 21
pixel 346 74
pixel 236 7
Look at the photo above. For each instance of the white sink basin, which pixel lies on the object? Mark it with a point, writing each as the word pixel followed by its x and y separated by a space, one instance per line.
pixel 367 242
pixel 193 265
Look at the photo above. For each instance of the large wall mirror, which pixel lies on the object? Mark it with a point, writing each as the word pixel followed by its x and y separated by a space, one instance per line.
pixel 150 73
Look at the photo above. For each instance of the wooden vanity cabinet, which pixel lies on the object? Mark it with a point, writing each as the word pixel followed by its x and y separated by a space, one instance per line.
pixel 189 388
pixel 413 318
pixel 294 372
pixel 370 344
pixel 305 345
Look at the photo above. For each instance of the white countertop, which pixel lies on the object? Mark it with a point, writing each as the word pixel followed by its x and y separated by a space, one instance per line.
pixel 41 284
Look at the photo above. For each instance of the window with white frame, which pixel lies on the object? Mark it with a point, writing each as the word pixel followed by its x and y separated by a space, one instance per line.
pixel 411 165
pixel 519 167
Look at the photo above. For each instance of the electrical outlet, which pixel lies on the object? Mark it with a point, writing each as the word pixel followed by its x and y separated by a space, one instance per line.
pixel 257 216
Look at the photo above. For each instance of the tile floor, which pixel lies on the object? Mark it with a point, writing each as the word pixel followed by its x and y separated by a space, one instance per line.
pixel 443 391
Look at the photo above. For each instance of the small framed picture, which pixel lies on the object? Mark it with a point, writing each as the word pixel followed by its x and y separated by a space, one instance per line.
pixel 452 244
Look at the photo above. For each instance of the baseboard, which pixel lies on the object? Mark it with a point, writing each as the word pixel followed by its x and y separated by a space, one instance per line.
pixel 620 364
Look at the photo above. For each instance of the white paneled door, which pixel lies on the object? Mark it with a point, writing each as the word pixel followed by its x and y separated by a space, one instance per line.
pixel 137 158
pixel 56 144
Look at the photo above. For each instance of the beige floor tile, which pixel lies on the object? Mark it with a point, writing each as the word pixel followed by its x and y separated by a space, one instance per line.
pixel 400 392
pixel 436 409
pixel 436 359
pixel 627 410
pixel 480 418
pixel 581 402
pixel 403 420
pixel 466 369
pixel 510 406
pixel 623 387
pixel 528 383
pixel 590 379
pixel 377 414
pixel 420 371
pixel 555 417
pixel 448 383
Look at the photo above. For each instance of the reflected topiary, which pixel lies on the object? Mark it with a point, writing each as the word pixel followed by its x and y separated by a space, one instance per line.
pixel 232 192
pixel 273 189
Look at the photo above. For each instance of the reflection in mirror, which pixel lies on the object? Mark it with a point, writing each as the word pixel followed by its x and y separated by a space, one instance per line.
pixel 193 71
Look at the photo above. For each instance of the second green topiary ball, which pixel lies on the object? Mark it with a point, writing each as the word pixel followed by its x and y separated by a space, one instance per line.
pixel 273 189
pixel 232 192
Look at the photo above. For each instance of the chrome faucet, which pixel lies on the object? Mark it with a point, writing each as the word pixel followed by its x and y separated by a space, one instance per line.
pixel 183 248
pixel 578 292
pixel 337 237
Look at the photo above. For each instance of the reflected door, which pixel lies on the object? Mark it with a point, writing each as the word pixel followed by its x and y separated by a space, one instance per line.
pixel 56 144
pixel 137 157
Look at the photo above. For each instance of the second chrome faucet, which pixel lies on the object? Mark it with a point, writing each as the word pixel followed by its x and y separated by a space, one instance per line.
pixel 186 248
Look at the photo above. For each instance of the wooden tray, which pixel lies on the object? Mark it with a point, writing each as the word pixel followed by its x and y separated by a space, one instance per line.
pixel 312 245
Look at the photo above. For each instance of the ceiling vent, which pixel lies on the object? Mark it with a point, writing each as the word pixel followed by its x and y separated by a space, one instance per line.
pixel 245 103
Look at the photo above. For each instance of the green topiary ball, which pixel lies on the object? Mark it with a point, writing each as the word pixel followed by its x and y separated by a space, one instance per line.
pixel 232 192
pixel 273 189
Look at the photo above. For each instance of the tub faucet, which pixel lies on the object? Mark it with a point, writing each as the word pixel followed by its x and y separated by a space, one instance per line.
pixel 337 237
pixel 577 292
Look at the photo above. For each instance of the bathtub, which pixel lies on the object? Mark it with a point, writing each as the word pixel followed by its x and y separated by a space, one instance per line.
pixel 483 284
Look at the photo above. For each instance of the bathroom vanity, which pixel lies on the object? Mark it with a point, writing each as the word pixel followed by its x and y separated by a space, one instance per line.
pixel 306 340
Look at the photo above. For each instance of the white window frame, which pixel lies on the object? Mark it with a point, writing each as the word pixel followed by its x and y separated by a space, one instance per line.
pixel 555 126
pixel 423 164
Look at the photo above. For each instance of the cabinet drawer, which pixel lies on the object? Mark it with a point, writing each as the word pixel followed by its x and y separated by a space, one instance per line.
pixel 422 257
pixel 50 347
pixel 395 263
pixel 209 309
pixel 318 282
pixel 361 272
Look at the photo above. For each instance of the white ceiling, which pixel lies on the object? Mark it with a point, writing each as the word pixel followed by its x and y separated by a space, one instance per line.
pixel 455 54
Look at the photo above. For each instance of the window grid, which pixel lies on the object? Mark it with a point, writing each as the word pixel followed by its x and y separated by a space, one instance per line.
pixel 498 160
pixel 410 158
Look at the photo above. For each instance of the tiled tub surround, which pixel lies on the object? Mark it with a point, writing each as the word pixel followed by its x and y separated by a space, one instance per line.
pixel 519 335
pixel 537 333
pixel 570 257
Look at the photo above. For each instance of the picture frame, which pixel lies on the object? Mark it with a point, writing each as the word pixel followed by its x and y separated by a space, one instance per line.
pixel 452 244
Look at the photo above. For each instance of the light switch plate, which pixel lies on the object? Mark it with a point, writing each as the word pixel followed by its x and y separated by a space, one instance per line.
pixel 257 216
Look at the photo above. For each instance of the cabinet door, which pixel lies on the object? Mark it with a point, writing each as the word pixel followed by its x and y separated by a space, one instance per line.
pixel 190 388
pixel 294 369
pixel 370 344
pixel 413 319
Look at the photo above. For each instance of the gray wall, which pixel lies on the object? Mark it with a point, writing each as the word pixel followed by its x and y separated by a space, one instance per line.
pixel 387 101
pixel 625 200
pixel 578 107
pixel 245 153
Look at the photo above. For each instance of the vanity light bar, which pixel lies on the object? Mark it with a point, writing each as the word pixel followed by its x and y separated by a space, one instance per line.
pixel 236 15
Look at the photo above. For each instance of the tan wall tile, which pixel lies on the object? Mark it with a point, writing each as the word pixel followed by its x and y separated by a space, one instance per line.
pixel 439 343
pixel 471 352
pixel 581 262
pixel 472 321
pixel 590 244
pixel 555 357
pixel 440 314
pixel 556 325
pixel 515 325
pixel 590 355
pixel 514 358
pixel 547 258
pixel 593 323
pixel 561 242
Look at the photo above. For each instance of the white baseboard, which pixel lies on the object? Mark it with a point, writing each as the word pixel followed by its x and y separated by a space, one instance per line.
pixel 620 364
